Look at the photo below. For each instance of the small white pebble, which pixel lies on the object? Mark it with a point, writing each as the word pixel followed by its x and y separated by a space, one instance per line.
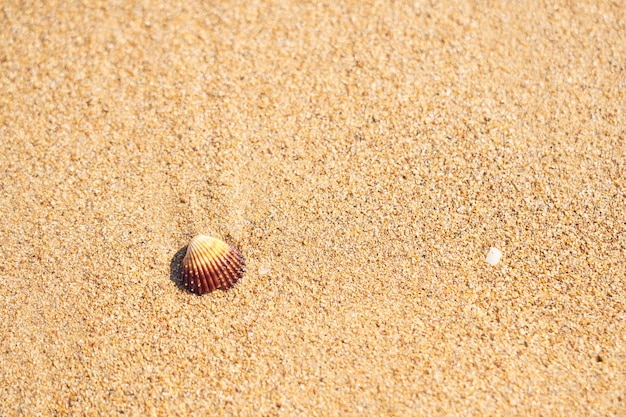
pixel 493 257
pixel 263 270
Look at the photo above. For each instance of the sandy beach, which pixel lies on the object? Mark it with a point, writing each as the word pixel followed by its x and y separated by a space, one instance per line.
pixel 364 156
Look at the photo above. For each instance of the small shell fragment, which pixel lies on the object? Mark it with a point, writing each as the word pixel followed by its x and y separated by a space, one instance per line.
pixel 211 263
pixel 493 257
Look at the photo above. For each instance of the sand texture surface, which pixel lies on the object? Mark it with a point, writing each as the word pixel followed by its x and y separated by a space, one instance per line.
pixel 364 156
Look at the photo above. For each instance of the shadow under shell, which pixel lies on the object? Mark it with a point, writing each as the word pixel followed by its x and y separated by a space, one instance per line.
pixel 175 268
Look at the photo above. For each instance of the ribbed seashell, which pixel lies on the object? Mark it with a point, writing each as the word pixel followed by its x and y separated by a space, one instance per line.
pixel 211 263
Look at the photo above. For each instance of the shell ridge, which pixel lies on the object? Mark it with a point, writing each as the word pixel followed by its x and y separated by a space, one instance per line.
pixel 196 273
pixel 196 270
pixel 204 284
pixel 230 276
pixel 227 273
pixel 209 271
pixel 218 262
pixel 233 263
pixel 187 269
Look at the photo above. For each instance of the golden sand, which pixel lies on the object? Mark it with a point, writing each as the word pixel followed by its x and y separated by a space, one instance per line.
pixel 364 157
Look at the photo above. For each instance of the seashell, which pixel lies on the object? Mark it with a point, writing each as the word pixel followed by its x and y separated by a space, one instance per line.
pixel 211 263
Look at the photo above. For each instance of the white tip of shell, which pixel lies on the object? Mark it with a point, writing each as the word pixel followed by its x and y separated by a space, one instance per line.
pixel 493 257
